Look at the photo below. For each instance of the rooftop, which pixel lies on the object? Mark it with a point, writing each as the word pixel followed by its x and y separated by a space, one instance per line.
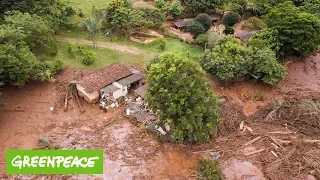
pixel 104 77
pixel 246 35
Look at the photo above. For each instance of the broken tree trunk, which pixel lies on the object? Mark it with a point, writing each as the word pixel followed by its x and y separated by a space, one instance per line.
pixel 79 104
pixel 66 102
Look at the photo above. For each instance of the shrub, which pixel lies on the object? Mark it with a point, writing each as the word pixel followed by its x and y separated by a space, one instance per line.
pixel 88 57
pixel 227 61
pixel 154 60
pixel 69 11
pixel 204 20
pixel 213 38
pixel 57 66
pixel 80 14
pixel 208 169
pixel 229 30
pixel 231 19
pixel 172 9
pixel 202 39
pixel 253 23
pixel 162 44
pixel 72 48
pixel 266 38
pixel 257 96
pixel 266 67
pixel 195 28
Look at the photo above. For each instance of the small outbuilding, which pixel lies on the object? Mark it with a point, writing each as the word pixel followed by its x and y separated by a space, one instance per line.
pixel 245 36
pixel 113 81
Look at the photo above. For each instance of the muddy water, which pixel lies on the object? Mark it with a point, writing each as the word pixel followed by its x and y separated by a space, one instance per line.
pixel 172 163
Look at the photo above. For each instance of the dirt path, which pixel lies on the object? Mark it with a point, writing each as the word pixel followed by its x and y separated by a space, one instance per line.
pixel 113 46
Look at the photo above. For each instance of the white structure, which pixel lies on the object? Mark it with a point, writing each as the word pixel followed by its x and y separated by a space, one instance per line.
pixel 113 81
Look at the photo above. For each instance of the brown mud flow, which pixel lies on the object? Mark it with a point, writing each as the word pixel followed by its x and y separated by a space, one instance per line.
pixel 131 152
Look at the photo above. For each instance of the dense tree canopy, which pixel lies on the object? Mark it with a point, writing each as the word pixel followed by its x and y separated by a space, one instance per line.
pixel 311 6
pixel 229 60
pixel 171 9
pixel 299 32
pixel 36 31
pixel 121 17
pixel 204 20
pixel 196 6
pixel 179 94
pixel 53 11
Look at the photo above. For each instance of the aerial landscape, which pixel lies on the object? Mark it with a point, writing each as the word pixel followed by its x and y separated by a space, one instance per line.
pixel 166 89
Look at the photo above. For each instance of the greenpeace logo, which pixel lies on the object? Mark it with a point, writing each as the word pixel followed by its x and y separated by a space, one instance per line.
pixel 54 162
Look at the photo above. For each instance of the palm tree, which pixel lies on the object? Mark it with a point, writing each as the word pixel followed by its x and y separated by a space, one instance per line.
pixel 93 26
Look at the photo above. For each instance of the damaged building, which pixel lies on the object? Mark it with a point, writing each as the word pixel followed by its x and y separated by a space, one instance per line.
pixel 114 81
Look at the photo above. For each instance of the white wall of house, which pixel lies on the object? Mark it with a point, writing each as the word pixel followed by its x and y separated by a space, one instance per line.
pixel 122 91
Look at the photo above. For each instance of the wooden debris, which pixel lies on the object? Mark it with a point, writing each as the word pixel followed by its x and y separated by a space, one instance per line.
pixel 65 108
pixel 275 146
pixel 241 125
pixel 311 141
pixel 274 154
pixel 249 129
pixel 254 152
pixel 78 102
pixel 276 142
pixel 281 132
pixel 210 150
pixel 311 164
pixel 252 141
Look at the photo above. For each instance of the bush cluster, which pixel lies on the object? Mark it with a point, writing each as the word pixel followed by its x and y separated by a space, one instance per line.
pixel 231 18
pixel 229 60
pixel 199 25
pixel 88 57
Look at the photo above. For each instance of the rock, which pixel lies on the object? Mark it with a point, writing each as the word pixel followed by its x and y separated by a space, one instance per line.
pixel 239 169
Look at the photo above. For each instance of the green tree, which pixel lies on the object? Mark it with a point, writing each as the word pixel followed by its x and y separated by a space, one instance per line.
pixel 229 30
pixel 18 64
pixel 299 32
pixel 228 60
pixel 266 38
pixel 53 11
pixel 37 32
pixel 179 94
pixel 171 9
pixel 265 66
pixel 204 20
pixel 231 19
pixel 196 6
pixel 195 28
pixel 93 26
pixel 312 7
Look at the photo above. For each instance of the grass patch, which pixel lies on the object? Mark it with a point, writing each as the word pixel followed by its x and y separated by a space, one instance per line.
pixel 104 57
pixel 172 45
pixel 86 5
pixel 208 170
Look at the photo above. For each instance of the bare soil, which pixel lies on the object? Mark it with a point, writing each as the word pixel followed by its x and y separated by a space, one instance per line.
pixel 112 46
pixel 131 152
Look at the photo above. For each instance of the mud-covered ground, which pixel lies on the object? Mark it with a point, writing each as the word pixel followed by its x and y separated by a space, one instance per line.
pixel 133 153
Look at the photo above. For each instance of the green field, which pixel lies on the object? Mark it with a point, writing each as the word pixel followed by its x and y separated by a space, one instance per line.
pixel 86 5
pixel 107 56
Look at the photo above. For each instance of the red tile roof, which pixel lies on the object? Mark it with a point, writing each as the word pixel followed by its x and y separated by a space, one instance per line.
pixel 104 77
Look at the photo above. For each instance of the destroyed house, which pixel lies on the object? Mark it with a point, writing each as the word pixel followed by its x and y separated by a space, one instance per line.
pixel 114 80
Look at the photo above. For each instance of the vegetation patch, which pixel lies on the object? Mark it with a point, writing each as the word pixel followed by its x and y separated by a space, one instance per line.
pixel 208 170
